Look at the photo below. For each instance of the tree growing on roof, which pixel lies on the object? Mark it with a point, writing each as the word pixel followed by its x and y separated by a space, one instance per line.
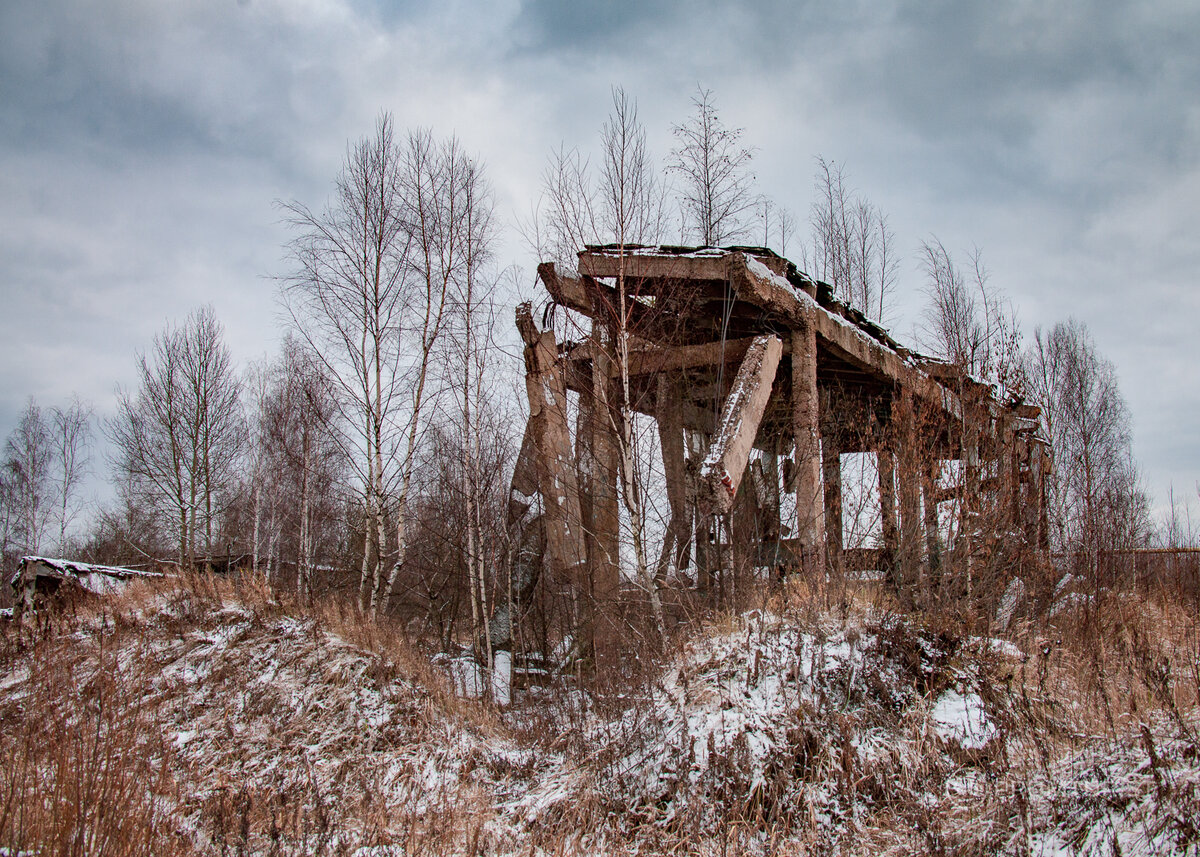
pixel 778 225
pixel 852 245
pixel 714 171
pixel 968 322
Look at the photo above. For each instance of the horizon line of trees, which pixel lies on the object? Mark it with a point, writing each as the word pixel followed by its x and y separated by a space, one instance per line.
pixel 379 439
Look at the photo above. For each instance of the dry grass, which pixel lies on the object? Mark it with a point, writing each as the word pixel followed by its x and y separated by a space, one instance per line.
pixel 215 716
pixel 206 716
pixel 84 768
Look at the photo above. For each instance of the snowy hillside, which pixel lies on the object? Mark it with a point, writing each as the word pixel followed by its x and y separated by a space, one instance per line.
pixel 208 719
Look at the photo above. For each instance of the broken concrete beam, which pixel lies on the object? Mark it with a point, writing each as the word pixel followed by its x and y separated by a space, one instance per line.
pixel 755 283
pixel 722 469
pixel 593 299
pixel 553 455
pixel 640 266
pixel 646 358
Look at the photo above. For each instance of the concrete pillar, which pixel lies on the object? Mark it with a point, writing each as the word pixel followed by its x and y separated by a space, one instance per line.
pixel 810 505
pixel 886 465
pixel 831 469
pixel 908 560
pixel 933 552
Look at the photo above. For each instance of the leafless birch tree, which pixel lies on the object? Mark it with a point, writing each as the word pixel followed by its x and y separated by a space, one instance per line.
pixel 624 205
pixel 968 322
pixel 301 456
pixel 1095 501
pixel 369 294
pixel 632 212
pixel 778 224
pixel 28 469
pixel 179 436
pixel 473 325
pixel 852 245
pixel 449 208
pixel 714 172
pixel 71 432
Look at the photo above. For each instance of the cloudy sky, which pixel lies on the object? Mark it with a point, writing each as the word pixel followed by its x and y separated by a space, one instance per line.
pixel 143 144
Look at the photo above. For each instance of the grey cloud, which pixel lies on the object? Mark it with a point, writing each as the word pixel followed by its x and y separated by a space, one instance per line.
pixel 595 25
pixel 141 143
pixel 140 81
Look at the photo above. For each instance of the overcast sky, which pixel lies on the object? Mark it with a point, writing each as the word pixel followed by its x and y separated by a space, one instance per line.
pixel 143 143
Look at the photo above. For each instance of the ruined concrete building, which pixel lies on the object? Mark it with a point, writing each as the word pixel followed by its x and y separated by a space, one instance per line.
pixel 734 350
pixel 42 579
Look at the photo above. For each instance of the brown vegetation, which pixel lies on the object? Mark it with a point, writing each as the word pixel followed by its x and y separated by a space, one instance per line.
pixel 199 716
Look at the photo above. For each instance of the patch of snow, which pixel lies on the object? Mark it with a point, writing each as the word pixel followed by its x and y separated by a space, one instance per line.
pixel 1070 601
pixel 502 677
pixel 995 646
pixel 1066 580
pixel 962 719
pixel 466 675
pixel 1014 596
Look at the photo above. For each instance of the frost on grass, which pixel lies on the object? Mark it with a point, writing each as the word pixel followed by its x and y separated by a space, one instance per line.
pixel 793 730
pixel 286 732
pixel 285 737
pixel 860 736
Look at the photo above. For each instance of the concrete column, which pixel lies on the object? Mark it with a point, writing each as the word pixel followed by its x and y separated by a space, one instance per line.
pixel 831 468
pixel 933 552
pixel 908 560
pixel 886 465
pixel 810 505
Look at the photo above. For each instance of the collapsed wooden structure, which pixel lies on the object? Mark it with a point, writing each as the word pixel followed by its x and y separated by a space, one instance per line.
pixel 735 350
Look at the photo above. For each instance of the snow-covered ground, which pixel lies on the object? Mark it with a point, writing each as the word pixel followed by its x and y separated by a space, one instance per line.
pixel 288 732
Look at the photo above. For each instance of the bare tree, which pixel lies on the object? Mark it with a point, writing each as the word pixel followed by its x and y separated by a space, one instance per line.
pixel 178 438
pixel 458 512
pixel 473 323
pixel 257 388
pixel 370 296
pixel 970 323
pixel 347 300
pixel 28 467
pixel 566 218
pixel 624 206
pixel 71 437
pixel 127 530
pixel 8 519
pixel 633 213
pixel 449 207
pixel 302 456
pixel 852 244
pixel 1095 501
pixel 778 225
pixel 713 167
